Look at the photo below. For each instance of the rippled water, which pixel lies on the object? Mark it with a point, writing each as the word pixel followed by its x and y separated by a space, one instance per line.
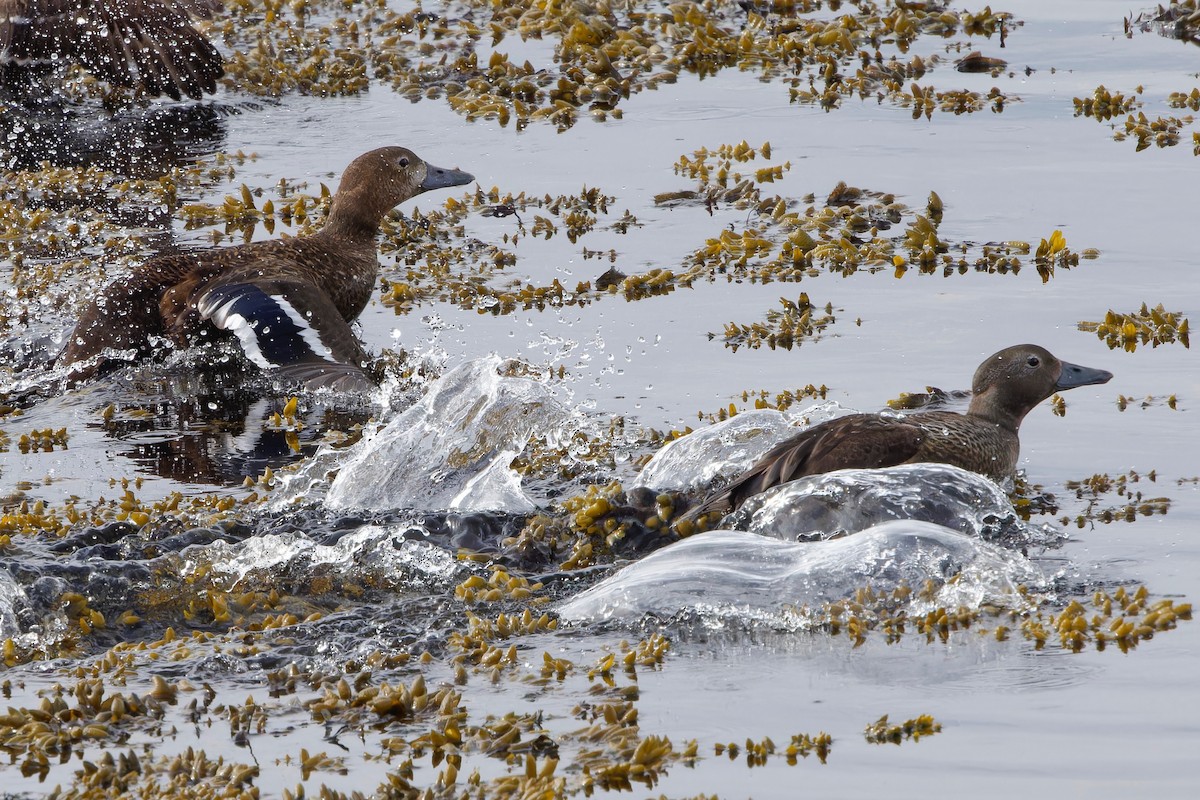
pixel 374 545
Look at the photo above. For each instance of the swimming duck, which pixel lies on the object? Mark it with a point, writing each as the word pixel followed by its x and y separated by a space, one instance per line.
pixel 149 44
pixel 1006 387
pixel 289 301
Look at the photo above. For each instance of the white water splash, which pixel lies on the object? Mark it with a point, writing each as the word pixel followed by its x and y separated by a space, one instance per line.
pixel 747 574
pixel 370 548
pixel 727 447
pixel 448 450
pixel 10 594
pixel 827 505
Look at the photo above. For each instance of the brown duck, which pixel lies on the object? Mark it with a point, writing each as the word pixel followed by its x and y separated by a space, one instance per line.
pixel 1005 388
pixel 289 301
pixel 146 44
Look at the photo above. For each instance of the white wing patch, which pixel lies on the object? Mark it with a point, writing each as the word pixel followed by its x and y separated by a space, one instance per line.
pixel 311 335
pixel 253 333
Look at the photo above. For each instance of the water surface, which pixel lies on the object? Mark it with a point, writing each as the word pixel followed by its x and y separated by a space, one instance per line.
pixel 384 577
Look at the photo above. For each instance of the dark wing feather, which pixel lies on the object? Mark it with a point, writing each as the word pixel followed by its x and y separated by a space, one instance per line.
pixel 859 441
pixel 34 31
pixel 147 41
pixel 287 324
pixel 150 43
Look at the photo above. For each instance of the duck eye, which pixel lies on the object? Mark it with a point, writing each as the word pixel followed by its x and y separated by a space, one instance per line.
pixel 403 161
pixel 1033 361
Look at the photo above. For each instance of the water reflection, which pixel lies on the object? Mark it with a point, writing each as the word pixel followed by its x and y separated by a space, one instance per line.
pixel 219 436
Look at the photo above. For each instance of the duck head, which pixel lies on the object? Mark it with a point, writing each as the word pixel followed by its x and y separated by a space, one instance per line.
pixel 1008 384
pixel 376 182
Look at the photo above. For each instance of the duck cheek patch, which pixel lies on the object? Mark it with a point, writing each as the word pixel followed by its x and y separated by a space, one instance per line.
pixel 272 331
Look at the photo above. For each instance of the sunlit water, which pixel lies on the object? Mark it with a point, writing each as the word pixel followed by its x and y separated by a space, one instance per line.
pixel 385 516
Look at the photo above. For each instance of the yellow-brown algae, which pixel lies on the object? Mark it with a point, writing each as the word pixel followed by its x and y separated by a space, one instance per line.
pixel 802 745
pixel 1124 487
pixel 1103 105
pixel 1152 326
pixel 881 731
pixel 784 330
pixel 1161 131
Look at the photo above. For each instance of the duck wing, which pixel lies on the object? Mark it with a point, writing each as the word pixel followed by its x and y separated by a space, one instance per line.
pixel 859 441
pixel 289 325
pixel 150 43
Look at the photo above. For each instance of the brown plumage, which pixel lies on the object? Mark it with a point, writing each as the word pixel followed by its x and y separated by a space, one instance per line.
pixel 149 44
pixel 289 301
pixel 1005 388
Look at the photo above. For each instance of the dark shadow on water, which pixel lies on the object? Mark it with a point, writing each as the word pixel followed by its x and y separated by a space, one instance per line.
pixel 138 142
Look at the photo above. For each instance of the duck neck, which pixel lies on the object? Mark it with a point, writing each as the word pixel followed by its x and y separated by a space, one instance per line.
pixel 987 406
pixel 355 214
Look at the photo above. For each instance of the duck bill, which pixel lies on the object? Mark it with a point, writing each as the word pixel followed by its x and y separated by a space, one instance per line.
pixel 443 178
pixel 1074 375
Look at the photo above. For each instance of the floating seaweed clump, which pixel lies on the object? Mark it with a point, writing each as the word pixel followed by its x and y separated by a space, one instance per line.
pixel 1103 105
pixel 1053 252
pixel 1161 131
pixel 241 214
pixel 43 441
pixel 1136 504
pixel 601 53
pixel 1178 19
pixel 273 55
pixel 779 400
pixel 23 517
pixel 925 100
pixel 1121 617
pixel 1170 401
pixel 1152 326
pixel 783 329
pixel 1189 100
pixel 719 181
pixel 851 232
pixel 882 732
pixel 434 260
pixel 833 49
pixel 759 399
pixel 758 753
